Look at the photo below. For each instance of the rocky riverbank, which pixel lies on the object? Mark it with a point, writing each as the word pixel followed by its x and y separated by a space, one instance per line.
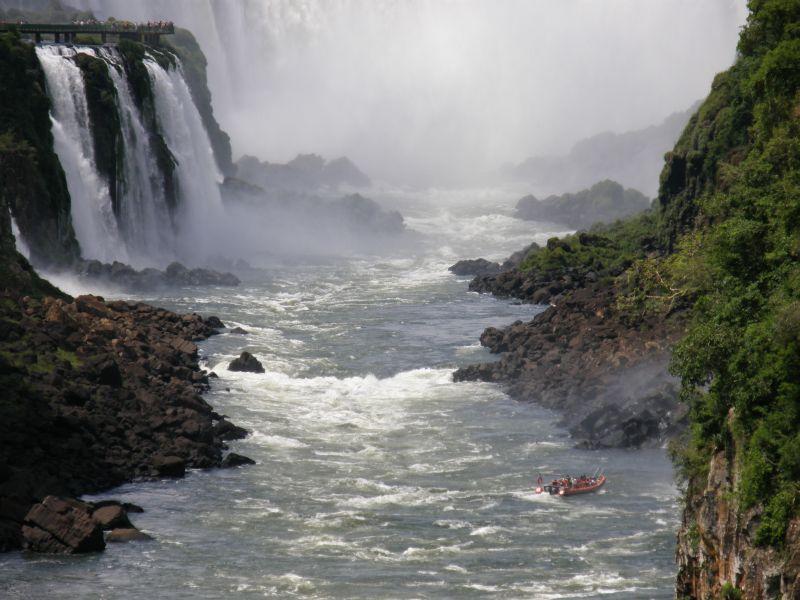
pixel 95 394
pixel 605 373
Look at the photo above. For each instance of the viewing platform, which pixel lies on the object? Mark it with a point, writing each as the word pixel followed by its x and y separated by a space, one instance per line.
pixel 66 33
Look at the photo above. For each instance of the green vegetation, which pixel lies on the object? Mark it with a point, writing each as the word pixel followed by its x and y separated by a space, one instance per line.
pixel 606 250
pixel 722 244
pixel 731 592
pixel 604 202
pixel 730 216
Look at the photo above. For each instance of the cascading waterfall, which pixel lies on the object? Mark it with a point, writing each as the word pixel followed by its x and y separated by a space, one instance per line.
pixel 92 212
pixel 144 217
pixel 477 79
pixel 198 176
pixel 22 246
pixel 143 232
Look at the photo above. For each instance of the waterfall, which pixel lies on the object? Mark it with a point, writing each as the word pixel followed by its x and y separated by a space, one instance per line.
pixel 22 246
pixel 143 232
pixel 417 90
pixel 143 216
pixel 200 207
pixel 92 212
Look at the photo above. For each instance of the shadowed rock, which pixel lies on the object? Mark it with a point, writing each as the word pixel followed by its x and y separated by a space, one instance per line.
pixel 62 526
pixel 111 517
pixel 169 466
pixel 247 363
pixel 475 267
pixel 127 534
pixel 236 460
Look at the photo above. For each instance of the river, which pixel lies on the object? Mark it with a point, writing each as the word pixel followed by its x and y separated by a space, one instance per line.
pixel 376 476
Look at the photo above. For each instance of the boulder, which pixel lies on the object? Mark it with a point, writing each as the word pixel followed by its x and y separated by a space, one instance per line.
pixel 225 430
pixel 111 517
pixel 62 526
pixel 246 362
pixel 214 322
pixel 475 267
pixel 236 460
pixel 169 466
pixel 239 331
pixel 126 534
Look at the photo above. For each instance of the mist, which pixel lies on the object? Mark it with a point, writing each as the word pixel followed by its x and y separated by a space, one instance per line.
pixel 443 92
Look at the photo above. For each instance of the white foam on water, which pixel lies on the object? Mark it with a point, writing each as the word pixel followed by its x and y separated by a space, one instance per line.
pixel 452 524
pixel 486 531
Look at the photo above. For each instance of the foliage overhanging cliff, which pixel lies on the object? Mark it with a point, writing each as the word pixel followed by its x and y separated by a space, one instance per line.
pixel 722 247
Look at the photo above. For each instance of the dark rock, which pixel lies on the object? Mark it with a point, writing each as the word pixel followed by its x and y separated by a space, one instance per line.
pixel 236 460
pixel 478 266
pixel 111 517
pixel 109 374
pixel 225 430
pixel 238 330
pixel 126 534
pixel 169 466
pixel 62 526
pixel 581 357
pixel 214 322
pixel 176 274
pixel 246 362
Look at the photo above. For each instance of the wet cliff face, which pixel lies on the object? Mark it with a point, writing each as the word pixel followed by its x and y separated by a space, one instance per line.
pixel 32 182
pixel 717 552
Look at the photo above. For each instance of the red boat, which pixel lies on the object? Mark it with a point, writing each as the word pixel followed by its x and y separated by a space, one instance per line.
pixel 569 486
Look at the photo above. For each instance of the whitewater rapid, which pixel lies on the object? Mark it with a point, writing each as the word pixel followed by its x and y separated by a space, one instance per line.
pixel 376 475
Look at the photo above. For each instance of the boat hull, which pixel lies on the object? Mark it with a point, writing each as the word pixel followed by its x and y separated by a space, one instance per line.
pixel 574 491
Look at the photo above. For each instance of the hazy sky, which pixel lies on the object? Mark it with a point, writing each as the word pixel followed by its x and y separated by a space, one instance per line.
pixel 438 90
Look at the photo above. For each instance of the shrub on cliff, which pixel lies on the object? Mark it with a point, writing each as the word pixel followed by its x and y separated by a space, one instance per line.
pixel 733 183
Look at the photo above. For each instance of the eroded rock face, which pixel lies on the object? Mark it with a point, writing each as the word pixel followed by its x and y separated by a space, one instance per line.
pixel 608 378
pixel 247 363
pixel 716 543
pixel 62 526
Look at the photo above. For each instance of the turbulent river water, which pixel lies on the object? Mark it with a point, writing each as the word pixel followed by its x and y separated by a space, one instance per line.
pixel 376 476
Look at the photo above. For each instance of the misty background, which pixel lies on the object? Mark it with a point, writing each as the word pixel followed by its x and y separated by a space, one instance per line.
pixel 445 92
